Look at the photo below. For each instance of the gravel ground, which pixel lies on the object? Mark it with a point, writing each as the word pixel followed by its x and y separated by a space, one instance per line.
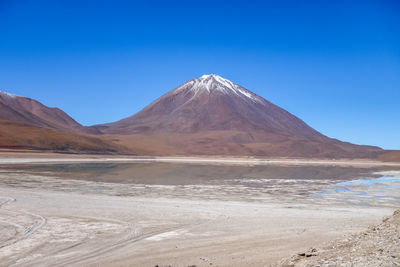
pixel 377 246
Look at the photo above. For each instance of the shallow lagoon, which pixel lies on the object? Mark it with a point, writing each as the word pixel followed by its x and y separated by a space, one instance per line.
pixel 284 184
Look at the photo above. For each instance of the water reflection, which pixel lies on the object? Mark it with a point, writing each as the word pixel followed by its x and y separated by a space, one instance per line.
pixel 325 185
pixel 383 191
pixel 186 174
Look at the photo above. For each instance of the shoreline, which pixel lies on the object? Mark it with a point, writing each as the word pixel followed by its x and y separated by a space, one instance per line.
pixel 49 158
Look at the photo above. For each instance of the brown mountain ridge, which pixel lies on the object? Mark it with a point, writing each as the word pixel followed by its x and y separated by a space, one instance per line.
pixel 28 111
pixel 27 124
pixel 209 115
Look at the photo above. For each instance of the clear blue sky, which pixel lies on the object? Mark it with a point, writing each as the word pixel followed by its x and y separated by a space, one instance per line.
pixel 334 64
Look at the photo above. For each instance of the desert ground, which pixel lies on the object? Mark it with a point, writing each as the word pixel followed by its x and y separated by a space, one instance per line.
pixel 51 221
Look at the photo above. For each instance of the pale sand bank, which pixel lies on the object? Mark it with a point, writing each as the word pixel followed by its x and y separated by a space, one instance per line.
pixel 23 158
pixel 92 230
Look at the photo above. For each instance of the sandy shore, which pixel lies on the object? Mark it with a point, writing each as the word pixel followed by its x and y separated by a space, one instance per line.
pixel 45 228
pixel 29 157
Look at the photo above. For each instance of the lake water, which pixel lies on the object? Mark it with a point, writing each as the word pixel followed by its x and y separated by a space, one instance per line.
pixel 284 184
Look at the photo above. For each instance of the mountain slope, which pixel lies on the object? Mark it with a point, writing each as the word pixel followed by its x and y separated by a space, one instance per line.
pixel 31 112
pixel 21 136
pixel 211 103
pixel 213 116
pixel 27 124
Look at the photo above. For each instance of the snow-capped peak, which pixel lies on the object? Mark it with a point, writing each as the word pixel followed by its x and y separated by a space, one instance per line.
pixel 217 78
pixel 214 82
pixel 8 94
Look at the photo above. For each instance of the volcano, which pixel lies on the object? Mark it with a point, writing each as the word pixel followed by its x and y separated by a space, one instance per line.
pixel 211 115
pixel 212 103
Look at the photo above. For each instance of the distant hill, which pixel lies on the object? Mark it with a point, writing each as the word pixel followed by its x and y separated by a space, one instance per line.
pixel 20 136
pixel 390 156
pixel 28 111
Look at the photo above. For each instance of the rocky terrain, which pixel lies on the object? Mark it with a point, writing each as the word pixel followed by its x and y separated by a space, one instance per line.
pixel 377 246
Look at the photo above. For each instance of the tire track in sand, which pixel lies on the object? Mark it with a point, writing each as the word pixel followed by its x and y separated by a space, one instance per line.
pixel 119 244
pixel 128 239
pixel 27 231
